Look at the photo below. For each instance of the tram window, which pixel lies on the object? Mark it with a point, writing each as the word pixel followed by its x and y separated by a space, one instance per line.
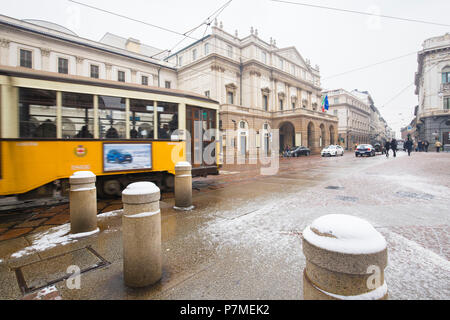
pixel 211 119
pixel 141 119
pixel 167 119
pixel 37 113
pixel 77 115
pixel 111 117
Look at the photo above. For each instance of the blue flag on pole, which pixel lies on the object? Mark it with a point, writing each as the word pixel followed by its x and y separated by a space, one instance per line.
pixel 325 104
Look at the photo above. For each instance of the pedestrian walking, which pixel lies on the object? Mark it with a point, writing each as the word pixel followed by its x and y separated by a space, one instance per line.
pixel 420 145
pixel 426 144
pixel 408 146
pixel 438 145
pixel 387 146
pixel 394 147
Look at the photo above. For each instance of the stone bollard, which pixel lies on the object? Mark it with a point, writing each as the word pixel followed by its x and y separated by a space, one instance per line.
pixel 141 234
pixel 345 260
pixel 183 186
pixel 83 203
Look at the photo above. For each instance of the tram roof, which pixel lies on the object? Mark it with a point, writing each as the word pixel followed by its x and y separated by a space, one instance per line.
pixel 21 72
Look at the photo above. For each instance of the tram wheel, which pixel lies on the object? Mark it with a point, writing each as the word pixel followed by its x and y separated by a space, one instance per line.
pixel 109 188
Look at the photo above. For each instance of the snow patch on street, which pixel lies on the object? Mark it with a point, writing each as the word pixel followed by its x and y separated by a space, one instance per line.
pixel 414 272
pixel 46 240
pixel 419 184
pixel 108 214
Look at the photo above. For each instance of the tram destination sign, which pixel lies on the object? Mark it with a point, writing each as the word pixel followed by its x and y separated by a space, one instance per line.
pixel 127 156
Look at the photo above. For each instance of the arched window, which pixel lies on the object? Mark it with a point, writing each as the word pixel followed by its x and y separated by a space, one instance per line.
pixel 243 137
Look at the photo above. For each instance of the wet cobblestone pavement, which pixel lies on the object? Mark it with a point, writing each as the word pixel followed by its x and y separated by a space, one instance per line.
pixel 243 240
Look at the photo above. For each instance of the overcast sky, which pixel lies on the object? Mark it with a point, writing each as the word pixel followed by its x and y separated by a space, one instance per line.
pixel 336 41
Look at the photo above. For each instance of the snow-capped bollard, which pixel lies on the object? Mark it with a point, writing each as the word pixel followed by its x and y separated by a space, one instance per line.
pixel 83 202
pixel 141 234
pixel 345 260
pixel 183 186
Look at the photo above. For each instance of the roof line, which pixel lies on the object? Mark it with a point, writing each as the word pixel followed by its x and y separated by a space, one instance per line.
pixel 192 44
pixel 81 43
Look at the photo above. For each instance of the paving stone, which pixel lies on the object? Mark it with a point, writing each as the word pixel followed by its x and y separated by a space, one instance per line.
pixel 31 223
pixel 48 293
pixel 41 273
pixel 8 224
pixel 9 287
pixel 8 247
pixel 15 233
pixel 113 207
pixel 59 219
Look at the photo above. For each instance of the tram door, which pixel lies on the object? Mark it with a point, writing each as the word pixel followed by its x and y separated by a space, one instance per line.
pixel 199 122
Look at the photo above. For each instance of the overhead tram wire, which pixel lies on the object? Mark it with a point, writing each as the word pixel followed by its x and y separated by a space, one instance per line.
pixel 143 22
pixel 370 65
pixel 193 38
pixel 185 35
pixel 407 87
pixel 361 13
pixel 206 22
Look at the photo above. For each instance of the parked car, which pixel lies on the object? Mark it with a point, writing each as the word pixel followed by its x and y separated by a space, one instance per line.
pixel 118 156
pixel 365 149
pixel 378 147
pixel 332 150
pixel 299 151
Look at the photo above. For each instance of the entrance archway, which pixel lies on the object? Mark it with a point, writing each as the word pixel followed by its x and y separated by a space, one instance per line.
pixel 310 135
pixel 287 135
pixel 332 141
pixel 322 138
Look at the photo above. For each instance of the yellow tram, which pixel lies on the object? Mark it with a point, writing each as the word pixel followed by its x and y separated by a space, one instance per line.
pixel 52 125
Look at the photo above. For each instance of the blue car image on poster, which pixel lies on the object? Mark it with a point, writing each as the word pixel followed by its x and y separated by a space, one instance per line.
pixel 124 156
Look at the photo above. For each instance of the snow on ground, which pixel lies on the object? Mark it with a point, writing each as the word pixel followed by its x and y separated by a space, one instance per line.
pixel 46 240
pixel 46 291
pixel 414 272
pixel 108 214
pixel 270 227
pixel 59 235
pixel 418 184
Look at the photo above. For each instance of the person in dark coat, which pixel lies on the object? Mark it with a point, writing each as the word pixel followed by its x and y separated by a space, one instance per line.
pixel 408 146
pixel 394 147
pixel 387 146
pixel 426 144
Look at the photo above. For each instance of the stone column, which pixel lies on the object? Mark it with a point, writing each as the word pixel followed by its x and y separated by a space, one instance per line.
pixel 141 234
pixel 79 67
pixel 345 260
pixel 45 59
pixel 4 52
pixel 183 186
pixel 83 202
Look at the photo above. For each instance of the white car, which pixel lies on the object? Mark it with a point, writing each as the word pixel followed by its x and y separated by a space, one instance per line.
pixel 332 150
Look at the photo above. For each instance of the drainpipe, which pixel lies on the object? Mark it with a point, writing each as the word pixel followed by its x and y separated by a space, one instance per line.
pixel 159 77
pixel 241 68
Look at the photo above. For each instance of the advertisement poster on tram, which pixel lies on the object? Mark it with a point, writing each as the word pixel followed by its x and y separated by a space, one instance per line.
pixel 125 157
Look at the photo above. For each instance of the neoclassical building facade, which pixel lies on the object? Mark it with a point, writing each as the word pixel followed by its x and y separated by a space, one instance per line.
pixel 432 81
pixel 260 87
pixel 354 117
pixel 45 46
